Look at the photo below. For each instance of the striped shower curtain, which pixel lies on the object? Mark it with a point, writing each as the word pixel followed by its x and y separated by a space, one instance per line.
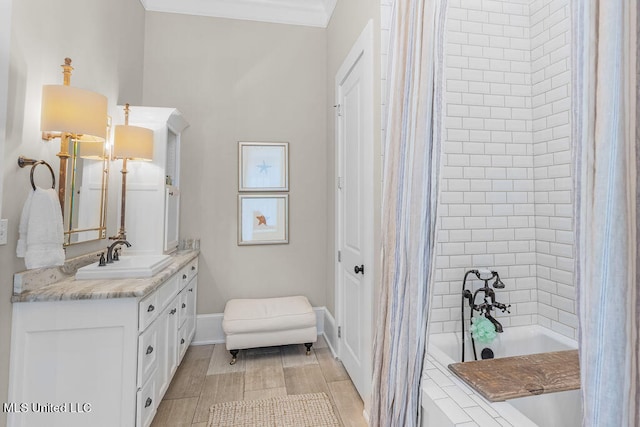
pixel 604 100
pixel 412 148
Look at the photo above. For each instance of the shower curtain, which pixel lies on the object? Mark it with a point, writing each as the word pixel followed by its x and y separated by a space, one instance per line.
pixel 412 148
pixel 606 200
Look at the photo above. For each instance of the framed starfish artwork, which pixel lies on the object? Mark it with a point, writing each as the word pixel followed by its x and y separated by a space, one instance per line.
pixel 263 219
pixel 263 166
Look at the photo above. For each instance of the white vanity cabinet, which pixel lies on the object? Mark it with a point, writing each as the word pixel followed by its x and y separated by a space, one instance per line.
pixel 106 362
pixel 171 332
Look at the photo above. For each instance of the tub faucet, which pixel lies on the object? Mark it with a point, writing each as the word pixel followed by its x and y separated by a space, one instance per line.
pixel 490 302
pixel 497 324
pixel 112 247
pixel 484 308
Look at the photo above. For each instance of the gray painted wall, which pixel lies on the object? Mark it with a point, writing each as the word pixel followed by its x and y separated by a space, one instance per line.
pixel 245 81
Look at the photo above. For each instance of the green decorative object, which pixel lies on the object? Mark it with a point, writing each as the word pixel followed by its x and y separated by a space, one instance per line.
pixel 482 330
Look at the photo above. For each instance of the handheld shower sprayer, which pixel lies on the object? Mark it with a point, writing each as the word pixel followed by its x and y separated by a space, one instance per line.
pixel 498 283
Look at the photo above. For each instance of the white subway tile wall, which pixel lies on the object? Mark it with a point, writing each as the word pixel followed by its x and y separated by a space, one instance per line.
pixel 488 190
pixel 506 199
pixel 506 189
pixel 550 79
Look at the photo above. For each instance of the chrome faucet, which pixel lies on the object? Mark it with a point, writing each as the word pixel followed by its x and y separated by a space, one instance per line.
pixel 112 247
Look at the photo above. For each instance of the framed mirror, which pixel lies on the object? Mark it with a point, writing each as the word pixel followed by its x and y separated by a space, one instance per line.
pixel 85 205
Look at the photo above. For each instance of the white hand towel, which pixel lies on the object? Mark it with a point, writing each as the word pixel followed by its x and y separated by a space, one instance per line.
pixel 44 231
pixel 21 248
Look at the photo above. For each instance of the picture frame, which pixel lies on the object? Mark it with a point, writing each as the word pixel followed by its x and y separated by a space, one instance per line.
pixel 263 219
pixel 263 166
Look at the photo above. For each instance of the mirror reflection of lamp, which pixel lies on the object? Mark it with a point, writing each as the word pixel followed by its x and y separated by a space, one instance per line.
pixel 92 150
pixel 130 143
pixel 71 113
pixel 81 211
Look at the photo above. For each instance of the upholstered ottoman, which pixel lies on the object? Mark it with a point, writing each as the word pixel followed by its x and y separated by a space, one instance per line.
pixel 267 322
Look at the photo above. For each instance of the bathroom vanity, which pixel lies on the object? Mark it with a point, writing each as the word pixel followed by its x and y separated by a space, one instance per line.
pixel 99 352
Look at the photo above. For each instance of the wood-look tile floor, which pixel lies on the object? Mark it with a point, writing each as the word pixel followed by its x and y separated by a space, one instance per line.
pixel 205 378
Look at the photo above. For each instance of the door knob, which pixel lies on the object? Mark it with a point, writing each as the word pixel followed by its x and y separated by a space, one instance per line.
pixel 359 269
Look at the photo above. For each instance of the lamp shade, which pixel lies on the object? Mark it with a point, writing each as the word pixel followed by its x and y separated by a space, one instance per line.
pixel 73 110
pixel 93 150
pixel 133 142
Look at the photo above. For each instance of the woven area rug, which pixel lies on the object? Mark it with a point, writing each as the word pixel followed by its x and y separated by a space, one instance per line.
pixel 308 410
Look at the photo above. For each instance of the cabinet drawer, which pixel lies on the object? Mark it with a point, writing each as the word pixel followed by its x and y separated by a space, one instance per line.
pixel 167 292
pixel 192 268
pixel 183 276
pixel 183 342
pixel 183 306
pixel 146 407
pixel 148 350
pixel 148 310
pixel 188 272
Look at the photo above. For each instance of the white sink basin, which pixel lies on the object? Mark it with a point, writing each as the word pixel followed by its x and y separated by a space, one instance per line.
pixel 128 267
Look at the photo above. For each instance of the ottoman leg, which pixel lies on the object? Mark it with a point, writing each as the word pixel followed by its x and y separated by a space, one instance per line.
pixel 234 356
pixel 308 345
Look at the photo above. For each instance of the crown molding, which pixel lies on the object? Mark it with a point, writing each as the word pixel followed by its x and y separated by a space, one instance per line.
pixel 313 13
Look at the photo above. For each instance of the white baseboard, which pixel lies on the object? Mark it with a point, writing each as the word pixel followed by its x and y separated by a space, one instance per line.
pixel 330 332
pixel 209 327
pixel 320 318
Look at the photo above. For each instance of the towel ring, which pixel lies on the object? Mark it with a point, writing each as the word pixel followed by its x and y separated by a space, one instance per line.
pixel 23 161
pixel 53 177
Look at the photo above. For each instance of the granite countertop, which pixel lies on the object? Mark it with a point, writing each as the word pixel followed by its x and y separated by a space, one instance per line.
pixel 32 286
pixel 521 376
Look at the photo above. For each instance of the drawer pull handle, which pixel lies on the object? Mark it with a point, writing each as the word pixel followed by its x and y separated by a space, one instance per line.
pixel 184 276
pixel 148 402
pixel 182 341
pixel 150 308
pixel 149 349
pixel 193 267
pixel 190 289
pixel 173 311
pixel 184 305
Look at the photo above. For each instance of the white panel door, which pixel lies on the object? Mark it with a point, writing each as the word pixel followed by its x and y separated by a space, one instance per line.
pixel 355 220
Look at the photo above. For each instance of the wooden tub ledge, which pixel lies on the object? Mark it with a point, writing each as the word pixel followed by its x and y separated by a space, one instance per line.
pixel 520 376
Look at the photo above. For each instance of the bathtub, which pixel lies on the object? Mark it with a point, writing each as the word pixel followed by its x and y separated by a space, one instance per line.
pixel 447 401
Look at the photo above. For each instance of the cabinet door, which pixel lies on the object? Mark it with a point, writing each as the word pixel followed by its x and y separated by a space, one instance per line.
pixel 183 342
pixel 82 353
pixel 171 218
pixel 192 291
pixel 182 307
pixel 149 349
pixel 147 402
pixel 168 346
